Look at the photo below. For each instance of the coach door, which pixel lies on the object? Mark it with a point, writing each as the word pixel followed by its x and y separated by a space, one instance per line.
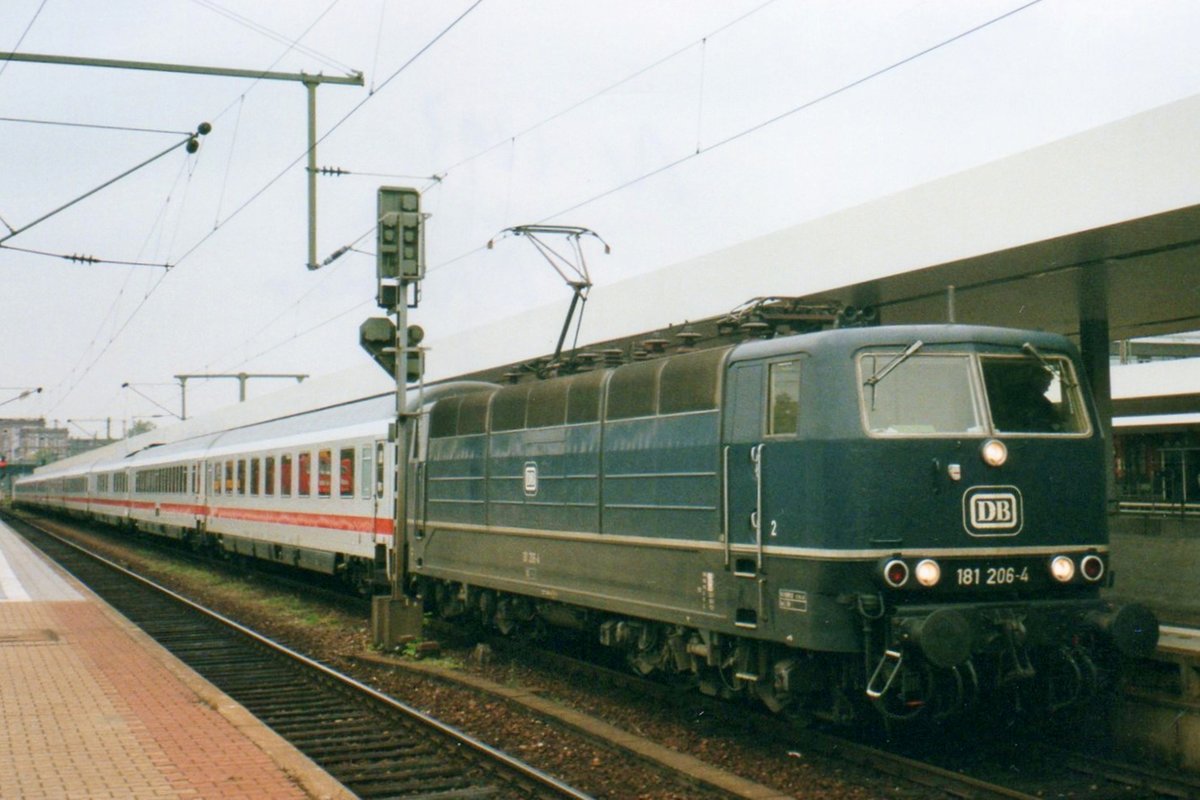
pixel 199 484
pixel 373 460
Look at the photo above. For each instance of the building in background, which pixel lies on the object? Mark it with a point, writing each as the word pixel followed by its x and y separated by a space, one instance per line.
pixel 32 441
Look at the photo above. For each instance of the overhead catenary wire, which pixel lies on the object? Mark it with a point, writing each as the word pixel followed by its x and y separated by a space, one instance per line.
pixel 792 111
pixel 381 86
pixel 425 48
pixel 237 126
pixel 113 338
pixel 307 331
pixel 158 283
pixel 292 43
pixel 758 126
pixel 437 177
pixel 321 139
pixel 160 225
pixel 700 150
pixel 87 370
pixel 82 258
pixel 92 126
pixel 326 276
pixel 5 62
pixel 378 43
pixel 440 175
pixel 511 138
pixel 187 141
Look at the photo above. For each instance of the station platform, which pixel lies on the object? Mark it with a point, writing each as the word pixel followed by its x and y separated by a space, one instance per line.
pixel 91 707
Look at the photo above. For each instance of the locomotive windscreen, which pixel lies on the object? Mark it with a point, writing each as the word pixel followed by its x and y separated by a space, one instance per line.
pixel 1033 395
pixel 935 394
pixel 923 394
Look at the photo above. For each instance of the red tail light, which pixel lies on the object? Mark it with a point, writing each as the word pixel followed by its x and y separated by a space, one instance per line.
pixel 1092 567
pixel 895 573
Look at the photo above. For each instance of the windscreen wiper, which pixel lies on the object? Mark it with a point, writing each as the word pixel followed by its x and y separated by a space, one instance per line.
pixel 1062 375
pixel 884 371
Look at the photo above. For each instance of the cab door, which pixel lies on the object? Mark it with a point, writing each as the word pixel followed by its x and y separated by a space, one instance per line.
pixel 741 455
pixel 763 463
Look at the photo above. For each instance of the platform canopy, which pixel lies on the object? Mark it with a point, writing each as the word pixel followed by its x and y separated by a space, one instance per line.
pixel 1101 225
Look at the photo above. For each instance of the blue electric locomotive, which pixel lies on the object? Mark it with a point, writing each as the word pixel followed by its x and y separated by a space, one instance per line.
pixel 904 518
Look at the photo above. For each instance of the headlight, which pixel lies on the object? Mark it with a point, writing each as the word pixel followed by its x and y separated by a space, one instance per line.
pixel 1062 568
pixel 994 453
pixel 895 573
pixel 1092 567
pixel 928 572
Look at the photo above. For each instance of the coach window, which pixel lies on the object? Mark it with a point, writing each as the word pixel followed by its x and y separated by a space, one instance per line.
pixel 346 472
pixel 241 476
pixel 285 475
pixel 228 477
pixel 269 476
pixel 783 398
pixel 365 478
pixel 255 474
pixel 305 467
pixel 324 473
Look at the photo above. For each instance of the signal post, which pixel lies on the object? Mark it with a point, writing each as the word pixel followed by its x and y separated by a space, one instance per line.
pixel 400 266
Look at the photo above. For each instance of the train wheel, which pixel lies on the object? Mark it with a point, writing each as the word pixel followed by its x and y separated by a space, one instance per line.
pixel 911 695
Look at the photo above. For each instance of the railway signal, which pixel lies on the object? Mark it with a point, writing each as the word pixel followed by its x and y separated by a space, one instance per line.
pixel 400 239
pixel 395 346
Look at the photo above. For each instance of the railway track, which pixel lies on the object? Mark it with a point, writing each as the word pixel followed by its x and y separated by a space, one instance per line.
pixel 374 745
pixel 937 780
pixel 1032 769
pixel 1036 772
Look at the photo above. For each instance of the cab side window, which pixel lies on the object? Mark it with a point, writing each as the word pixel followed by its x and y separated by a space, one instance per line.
pixel 783 398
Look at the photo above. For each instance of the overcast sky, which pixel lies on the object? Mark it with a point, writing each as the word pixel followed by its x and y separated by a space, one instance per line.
pixel 671 128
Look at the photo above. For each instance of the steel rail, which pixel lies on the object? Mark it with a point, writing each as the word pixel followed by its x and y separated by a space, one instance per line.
pixel 525 770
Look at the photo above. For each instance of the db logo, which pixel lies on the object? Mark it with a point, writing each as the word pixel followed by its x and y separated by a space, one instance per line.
pixel 992 511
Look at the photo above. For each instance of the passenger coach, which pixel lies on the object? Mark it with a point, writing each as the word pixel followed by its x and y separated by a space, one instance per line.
pixel 311 490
